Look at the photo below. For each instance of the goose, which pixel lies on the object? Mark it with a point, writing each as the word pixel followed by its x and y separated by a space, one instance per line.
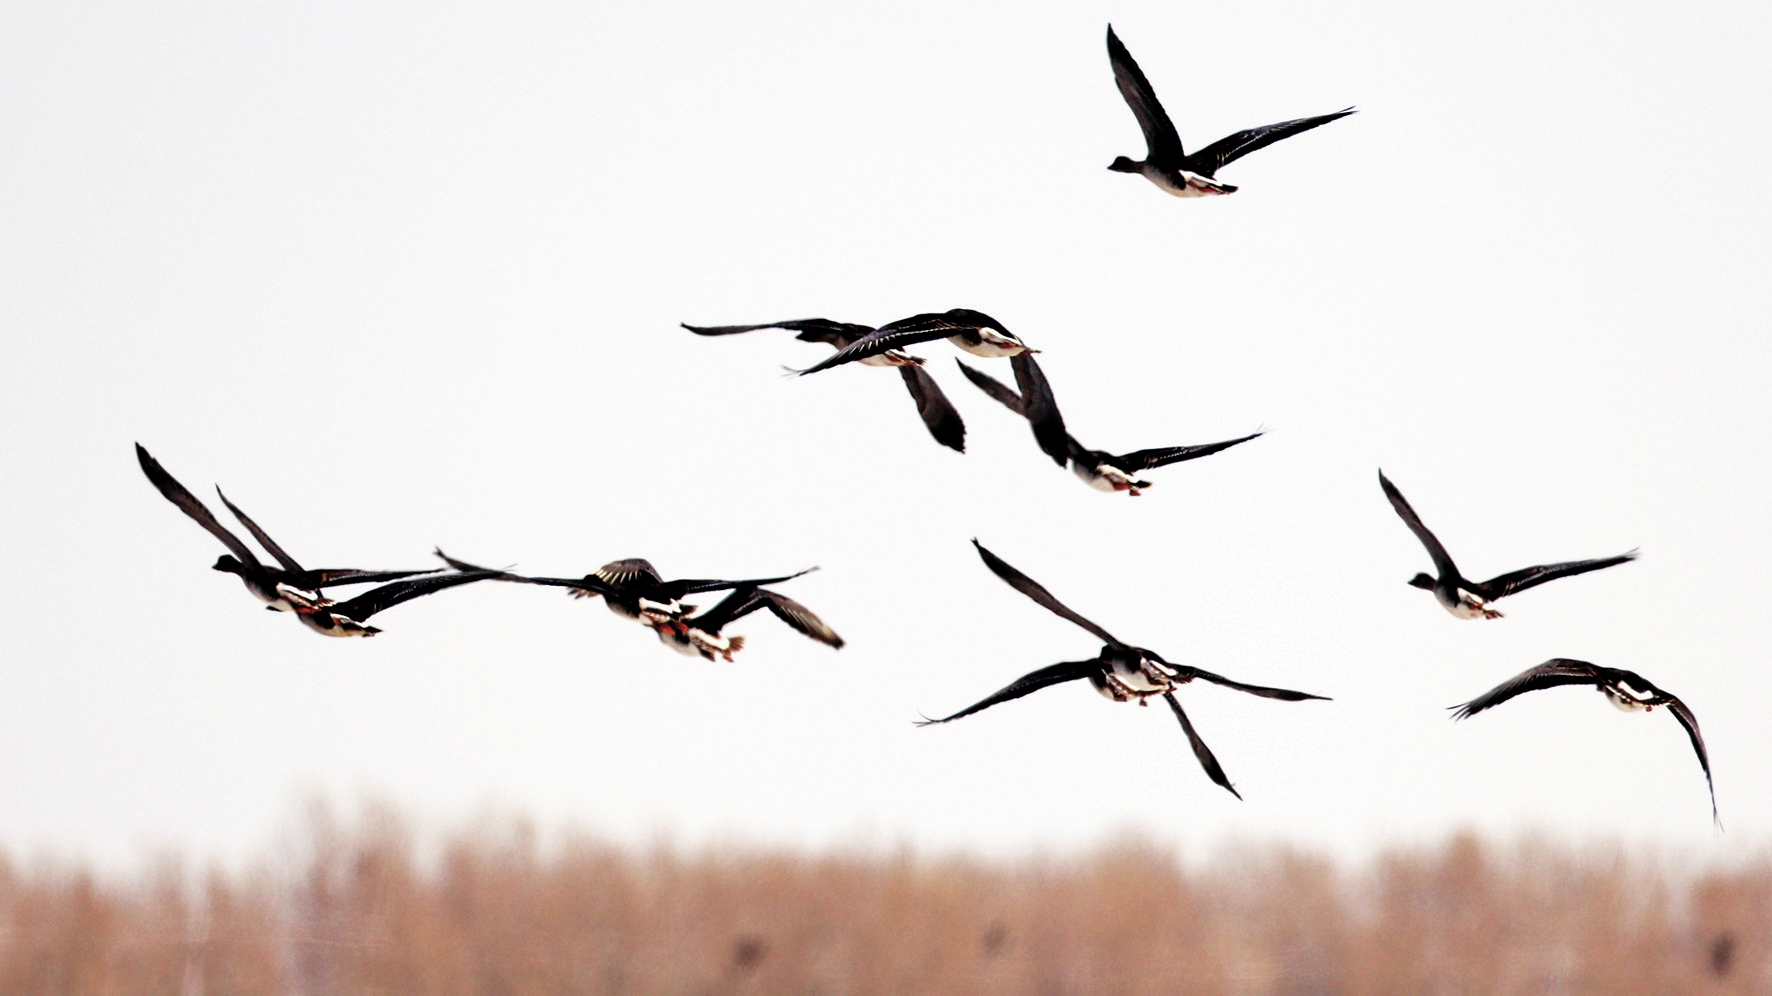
pixel 1120 672
pixel 937 412
pixel 1627 690
pixel 973 331
pixel 1165 164
pixel 1467 599
pixel 1099 469
pixel 280 588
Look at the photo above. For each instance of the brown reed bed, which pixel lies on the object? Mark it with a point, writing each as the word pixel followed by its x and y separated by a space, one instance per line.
pixel 370 909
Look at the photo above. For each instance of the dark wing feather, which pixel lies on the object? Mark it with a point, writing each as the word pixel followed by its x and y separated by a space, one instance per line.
pixel 1162 457
pixel 264 540
pixel 1690 722
pixel 1041 408
pixel 590 584
pixel 387 596
pixel 1550 674
pixel 884 338
pixel 1261 690
pixel 1031 588
pixel 1033 681
pixel 1162 143
pixel 742 602
pixel 838 334
pixel 1207 161
pixel 800 618
pixel 625 573
pixel 939 416
pixel 177 494
pixel 686 586
pixel 1202 753
pixel 1003 393
pixel 338 576
pixel 1529 577
pixel 1443 564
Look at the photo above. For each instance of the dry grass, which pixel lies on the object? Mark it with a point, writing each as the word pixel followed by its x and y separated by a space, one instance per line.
pixel 488 913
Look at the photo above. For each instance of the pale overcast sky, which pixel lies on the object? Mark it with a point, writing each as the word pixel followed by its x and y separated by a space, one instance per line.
pixel 401 274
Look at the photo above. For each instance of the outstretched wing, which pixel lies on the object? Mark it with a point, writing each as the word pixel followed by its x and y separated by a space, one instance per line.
pixel 939 416
pixel 1162 457
pixel 590 584
pixel 177 494
pixel 1690 722
pixel 1032 589
pixel 264 540
pixel 1529 577
pixel 897 335
pixel 1443 564
pixel 687 586
pixel 800 618
pixel 628 573
pixel 387 596
pixel 838 334
pixel 1161 141
pixel 1026 684
pixel 1550 674
pixel 1041 408
pixel 1202 753
pixel 1261 690
pixel 1003 393
pixel 1233 147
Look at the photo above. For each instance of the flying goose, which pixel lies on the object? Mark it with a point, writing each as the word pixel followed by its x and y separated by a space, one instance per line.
pixel 272 585
pixel 1165 164
pixel 939 416
pixel 974 331
pixel 1468 599
pixel 1099 469
pixel 1120 672
pixel 1628 690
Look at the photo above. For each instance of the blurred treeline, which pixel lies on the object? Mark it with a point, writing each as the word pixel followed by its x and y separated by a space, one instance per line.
pixel 371 909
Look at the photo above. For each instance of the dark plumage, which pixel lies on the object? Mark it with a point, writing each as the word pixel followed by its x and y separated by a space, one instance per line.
pixel 1165 163
pixel 1469 599
pixel 1627 690
pixel 268 584
pixel 700 634
pixel 1099 469
pixel 1120 672
pixel 937 412
pixel 974 331
pixel 330 618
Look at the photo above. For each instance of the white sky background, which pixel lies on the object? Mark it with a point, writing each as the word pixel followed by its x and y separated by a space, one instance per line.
pixel 398 275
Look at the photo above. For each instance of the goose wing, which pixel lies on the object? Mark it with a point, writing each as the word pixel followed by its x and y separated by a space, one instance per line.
pixel 687 586
pixel 1162 143
pixel 1530 577
pixel 1005 395
pixel 1202 753
pixel 1032 589
pixel 896 335
pixel 1229 149
pixel 1261 690
pixel 800 618
pixel 1550 674
pixel 589 584
pixel 1041 408
pixel 1443 564
pixel 177 494
pixel 938 413
pixel 387 596
pixel 838 334
pixel 1164 456
pixel 1690 722
pixel 263 538
pixel 1033 681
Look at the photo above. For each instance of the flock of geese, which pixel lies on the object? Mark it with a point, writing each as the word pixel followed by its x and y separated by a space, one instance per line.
pixel 634 589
